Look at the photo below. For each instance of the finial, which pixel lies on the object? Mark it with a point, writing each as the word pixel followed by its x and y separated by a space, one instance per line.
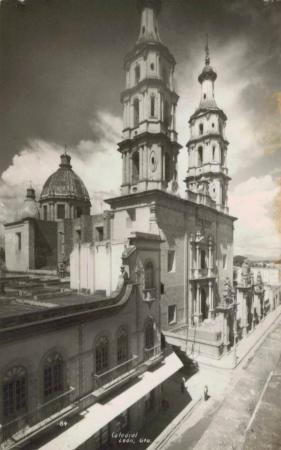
pixel 65 149
pixel 207 57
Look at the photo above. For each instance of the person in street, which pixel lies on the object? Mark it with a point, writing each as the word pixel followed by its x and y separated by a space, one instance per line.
pixel 183 385
pixel 206 395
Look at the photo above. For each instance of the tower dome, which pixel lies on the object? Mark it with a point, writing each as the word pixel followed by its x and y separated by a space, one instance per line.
pixel 64 195
pixel 30 208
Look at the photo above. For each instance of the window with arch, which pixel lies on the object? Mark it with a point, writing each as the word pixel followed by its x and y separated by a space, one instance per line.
pixel 52 375
pixel 148 275
pixel 79 211
pixel 102 354
pixel 14 392
pixel 137 73
pixel 201 128
pixel 200 156
pixel 167 114
pixel 45 212
pixel 167 167
pixel 136 112
pixel 222 157
pixel 213 152
pixel 122 346
pixel 136 167
pixel 149 334
pixel 61 211
pixel 152 105
pixel 203 259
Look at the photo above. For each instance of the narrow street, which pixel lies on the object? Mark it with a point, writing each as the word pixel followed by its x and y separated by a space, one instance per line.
pixel 243 410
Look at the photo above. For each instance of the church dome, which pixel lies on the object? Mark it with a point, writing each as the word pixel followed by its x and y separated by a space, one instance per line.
pixel 64 184
pixel 30 208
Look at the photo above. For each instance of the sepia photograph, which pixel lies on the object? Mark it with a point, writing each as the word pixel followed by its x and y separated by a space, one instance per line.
pixel 140 224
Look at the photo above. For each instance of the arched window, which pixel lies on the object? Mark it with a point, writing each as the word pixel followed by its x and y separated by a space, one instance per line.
pixel 102 350
pixel 152 106
pixel 52 375
pixel 136 167
pixel 148 275
pixel 78 211
pixel 136 112
pixel 167 167
pixel 167 114
pixel 203 259
pixel 200 156
pixel 122 346
pixel 201 128
pixel 137 74
pixel 214 152
pixel 45 212
pixel 149 335
pixel 222 157
pixel 14 392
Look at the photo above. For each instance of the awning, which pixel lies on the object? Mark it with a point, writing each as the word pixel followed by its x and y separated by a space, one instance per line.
pixel 98 415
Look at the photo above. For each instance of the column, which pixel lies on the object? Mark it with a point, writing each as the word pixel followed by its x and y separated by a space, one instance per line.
pixel 123 168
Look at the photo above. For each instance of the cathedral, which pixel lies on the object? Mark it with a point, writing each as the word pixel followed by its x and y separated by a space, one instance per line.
pixel 196 231
pixel 153 269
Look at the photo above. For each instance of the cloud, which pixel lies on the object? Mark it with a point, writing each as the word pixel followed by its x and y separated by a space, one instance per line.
pixel 255 232
pixel 97 162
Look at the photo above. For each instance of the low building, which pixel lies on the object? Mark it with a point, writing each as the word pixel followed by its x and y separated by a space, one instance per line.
pixel 63 353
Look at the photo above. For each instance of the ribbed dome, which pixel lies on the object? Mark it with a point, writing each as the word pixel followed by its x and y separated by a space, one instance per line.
pixel 65 184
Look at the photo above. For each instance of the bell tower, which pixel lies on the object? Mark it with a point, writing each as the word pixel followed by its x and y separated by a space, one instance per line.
pixel 149 146
pixel 207 146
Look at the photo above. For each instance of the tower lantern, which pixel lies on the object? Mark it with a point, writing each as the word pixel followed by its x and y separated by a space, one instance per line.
pixel 149 144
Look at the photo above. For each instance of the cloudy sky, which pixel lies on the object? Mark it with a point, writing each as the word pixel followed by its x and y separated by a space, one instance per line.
pixel 61 74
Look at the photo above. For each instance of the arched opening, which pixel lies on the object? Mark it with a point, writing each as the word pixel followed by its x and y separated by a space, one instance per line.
pixel 203 259
pixel 201 128
pixel 122 346
pixel 213 152
pixel 14 393
pixel 52 376
pixel 204 305
pixel 101 354
pixel 222 157
pixel 200 156
pixel 148 275
pixel 152 106
pixel 167 114
pixel 45 212
pixel 136 112
pixel 137 74
pixel 78 211
pixel 136 167
pixel 168 174
pixel 149 335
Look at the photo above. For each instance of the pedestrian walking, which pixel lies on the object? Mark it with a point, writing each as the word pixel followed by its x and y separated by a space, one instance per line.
pixel 206 395
pixel 183 385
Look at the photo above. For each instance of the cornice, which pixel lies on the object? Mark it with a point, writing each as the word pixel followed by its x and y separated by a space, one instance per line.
pixel 207 136
pixel 149 82
pixel 153 137
pixel 144 47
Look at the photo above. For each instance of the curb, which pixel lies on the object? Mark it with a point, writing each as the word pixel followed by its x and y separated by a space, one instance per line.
pixel 174 425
